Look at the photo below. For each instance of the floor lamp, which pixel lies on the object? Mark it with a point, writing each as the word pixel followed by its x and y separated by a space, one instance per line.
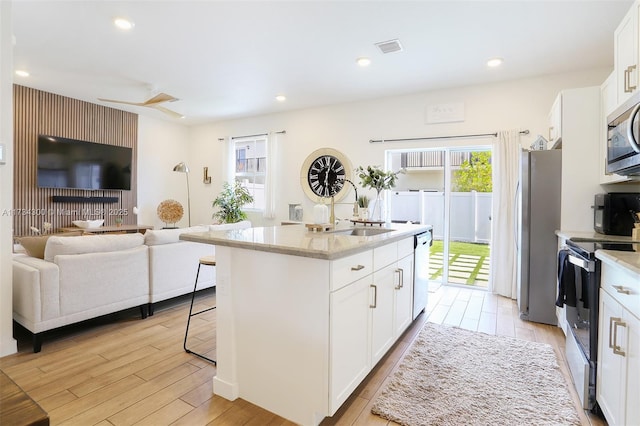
pixel 182 168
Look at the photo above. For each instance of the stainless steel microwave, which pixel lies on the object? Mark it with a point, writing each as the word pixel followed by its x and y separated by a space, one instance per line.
pixel 623 136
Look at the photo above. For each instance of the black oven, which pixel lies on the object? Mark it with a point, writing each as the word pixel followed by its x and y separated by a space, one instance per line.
pixel 578 292
pixel 623 138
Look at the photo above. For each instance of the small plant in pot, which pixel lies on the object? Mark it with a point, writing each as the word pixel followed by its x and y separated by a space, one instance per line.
pixel 230 202
pixel 363 201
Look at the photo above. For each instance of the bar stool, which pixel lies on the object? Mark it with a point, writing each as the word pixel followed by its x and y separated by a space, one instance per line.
pixel 206 261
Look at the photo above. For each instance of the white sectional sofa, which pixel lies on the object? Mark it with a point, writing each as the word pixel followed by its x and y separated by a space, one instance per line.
pixel 83 277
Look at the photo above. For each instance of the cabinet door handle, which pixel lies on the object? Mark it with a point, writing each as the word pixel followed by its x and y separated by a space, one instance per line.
pixel 611 319
pixel 375 296
pixel 631 68
pixel 400 272
pixel 616 349
pixel 357 268
pixel 626 80
pixel 621 289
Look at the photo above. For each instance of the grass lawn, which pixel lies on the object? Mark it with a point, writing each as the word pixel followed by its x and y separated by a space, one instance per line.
pixel 458 260
pixel 456 247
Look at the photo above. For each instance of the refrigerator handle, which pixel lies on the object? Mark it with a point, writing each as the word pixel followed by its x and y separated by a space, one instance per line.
pixel 515 222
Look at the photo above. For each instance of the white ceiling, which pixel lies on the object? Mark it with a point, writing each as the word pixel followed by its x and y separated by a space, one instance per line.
pixel 227 59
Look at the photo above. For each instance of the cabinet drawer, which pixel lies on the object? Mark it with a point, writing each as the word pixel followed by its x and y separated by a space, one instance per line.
pixel 623 286
pixel 384 255
pixel 405 247
pixel 351 268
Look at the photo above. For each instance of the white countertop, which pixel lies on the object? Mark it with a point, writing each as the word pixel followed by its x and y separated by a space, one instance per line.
pixel 296 240
pixel 591 236
pixel 629 260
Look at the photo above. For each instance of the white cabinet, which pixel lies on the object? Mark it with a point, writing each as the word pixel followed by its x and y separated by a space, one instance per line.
pixel 618 372
pixel 403 304
pixel 349 353
pixel 382 312
pixel 580 123
pixel 555 122
pixel 368 315
pixel 626 55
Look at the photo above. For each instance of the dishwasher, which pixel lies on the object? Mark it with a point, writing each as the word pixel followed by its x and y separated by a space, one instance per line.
pixel 422 245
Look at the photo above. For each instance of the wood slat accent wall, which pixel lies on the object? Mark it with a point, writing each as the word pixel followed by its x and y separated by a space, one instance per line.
pixel 37 112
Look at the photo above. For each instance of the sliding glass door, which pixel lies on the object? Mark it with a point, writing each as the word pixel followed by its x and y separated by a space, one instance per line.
pixel 450 189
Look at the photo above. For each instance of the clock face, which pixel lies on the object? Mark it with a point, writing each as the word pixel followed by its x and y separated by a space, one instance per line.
pixel 326 176
pixel 324 173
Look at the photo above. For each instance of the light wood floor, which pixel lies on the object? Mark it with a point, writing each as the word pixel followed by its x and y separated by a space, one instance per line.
pixel 122 370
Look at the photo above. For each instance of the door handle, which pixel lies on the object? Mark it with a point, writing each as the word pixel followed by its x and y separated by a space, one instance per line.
pixel 375 296
pixel 400 273
pixel 616 349
pixel 626 80
pixel 631 68
pixel 357 268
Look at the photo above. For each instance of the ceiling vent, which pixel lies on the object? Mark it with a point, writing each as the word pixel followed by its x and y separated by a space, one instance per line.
pixel 389 46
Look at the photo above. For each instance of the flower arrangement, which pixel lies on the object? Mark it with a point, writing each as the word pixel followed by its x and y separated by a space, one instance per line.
pixel 376 178
pixel 363 201
pixel 230 203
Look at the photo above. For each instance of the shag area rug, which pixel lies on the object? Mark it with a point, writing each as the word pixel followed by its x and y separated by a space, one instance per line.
pixel 452 376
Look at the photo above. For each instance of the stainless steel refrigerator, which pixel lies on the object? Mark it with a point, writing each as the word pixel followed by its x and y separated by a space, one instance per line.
pixel 538 219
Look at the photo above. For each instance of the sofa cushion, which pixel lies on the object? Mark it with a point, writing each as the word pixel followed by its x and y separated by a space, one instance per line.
pixel 243 224
pixel 155 237
pixel 34 246
pixel 96 244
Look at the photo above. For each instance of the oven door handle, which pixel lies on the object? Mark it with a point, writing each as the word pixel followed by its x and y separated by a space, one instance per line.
pixel 584 264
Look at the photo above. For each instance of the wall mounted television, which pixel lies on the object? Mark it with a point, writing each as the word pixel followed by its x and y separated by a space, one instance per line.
pixel 76 164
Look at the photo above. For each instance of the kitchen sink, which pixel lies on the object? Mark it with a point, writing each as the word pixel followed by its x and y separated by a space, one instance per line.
pixel 364 232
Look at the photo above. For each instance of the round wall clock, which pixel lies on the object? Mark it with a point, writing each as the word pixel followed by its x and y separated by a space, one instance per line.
pixel 323 174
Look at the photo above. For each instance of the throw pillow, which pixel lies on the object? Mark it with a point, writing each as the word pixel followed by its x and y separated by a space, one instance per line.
pixel 34 246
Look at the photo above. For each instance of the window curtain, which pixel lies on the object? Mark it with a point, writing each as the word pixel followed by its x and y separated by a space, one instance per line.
pixel 229 171
pixel 505 165
pixel 270 185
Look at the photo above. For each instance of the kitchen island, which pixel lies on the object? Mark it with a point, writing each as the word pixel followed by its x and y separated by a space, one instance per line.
pixel 303 317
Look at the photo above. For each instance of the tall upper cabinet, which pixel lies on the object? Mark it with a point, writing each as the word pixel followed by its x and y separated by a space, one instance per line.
pixel 626 55
pixel 576 113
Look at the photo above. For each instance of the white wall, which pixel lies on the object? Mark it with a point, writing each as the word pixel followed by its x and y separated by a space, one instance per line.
pixel 522 104
pixel 161 145
pixel 7 343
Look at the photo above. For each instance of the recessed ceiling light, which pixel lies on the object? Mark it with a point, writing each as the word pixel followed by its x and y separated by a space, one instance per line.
pixel 22 73
pixel 281 98
pixel 123 24
pixel 494 62
pixel 363 62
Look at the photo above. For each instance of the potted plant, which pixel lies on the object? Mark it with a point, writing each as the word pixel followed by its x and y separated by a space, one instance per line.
pixel 363 207
pixel 376 178
pixel 230 203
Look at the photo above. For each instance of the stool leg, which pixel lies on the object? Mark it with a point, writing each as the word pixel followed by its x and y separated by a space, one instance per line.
pixel 186 333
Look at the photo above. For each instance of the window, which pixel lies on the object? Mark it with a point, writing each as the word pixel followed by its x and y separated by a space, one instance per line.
pixel 250 167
